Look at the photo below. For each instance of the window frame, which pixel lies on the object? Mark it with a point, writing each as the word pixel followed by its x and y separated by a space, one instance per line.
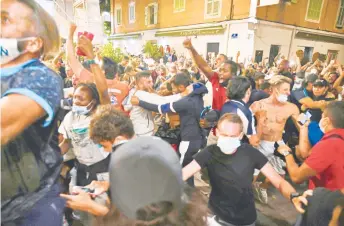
pixel 118 8
pixel 155 14
pixel 340 11
pixel 178 10
pixel 208 16
pixel 131 5
pixel 321 9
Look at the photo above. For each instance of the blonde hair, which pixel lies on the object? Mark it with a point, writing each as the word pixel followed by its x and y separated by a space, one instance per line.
pixel 46 28
pixel 277 80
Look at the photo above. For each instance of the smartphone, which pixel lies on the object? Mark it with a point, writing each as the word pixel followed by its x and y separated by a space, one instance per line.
pixel 87 190
pixel 307 116
pixel 88 35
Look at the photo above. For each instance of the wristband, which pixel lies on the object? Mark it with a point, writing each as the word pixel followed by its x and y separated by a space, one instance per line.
pixel 90 62
pixel 294 195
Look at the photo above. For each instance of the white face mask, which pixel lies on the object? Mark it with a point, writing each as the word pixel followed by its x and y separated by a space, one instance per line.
pixel 282 98
pixel 81 110
pixel 9 49
pixel 321 126
pixel 228 145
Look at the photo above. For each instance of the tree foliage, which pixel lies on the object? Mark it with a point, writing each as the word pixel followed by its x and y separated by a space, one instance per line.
pixel 152 50
pixel 115 54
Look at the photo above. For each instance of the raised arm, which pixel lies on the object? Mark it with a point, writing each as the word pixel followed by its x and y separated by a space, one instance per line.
pixel 198 60
pixel 98 76
pixel 71 57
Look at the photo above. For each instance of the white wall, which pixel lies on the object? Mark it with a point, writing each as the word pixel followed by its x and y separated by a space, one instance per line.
pixel 321 47
pixel 267 35
pixel 243 43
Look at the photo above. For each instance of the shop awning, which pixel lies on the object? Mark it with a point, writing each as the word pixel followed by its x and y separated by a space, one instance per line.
pixel 124 36
pixel 215 30
pixel 319 37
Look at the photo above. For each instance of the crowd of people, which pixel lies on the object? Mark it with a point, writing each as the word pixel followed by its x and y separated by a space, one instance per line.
pixel 91 142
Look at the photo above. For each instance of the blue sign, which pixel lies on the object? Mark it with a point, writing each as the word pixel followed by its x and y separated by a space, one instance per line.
pixel 234 35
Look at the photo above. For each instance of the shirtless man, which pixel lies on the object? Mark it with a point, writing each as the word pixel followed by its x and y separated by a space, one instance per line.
pixel 272 114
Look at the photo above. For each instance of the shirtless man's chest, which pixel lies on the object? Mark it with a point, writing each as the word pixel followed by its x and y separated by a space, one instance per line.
pixel 272 118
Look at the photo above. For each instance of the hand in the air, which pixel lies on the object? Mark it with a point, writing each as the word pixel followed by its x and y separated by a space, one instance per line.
pixel 86 46
pixel 187 43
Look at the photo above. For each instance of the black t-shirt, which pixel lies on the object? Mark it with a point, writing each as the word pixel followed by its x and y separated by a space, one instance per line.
pixel 320 207
pixel 231 177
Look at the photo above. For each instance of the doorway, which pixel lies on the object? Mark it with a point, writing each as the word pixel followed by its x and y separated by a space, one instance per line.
pixel 308 53
pixel 274 50
pixel 259 56
pixel 213 48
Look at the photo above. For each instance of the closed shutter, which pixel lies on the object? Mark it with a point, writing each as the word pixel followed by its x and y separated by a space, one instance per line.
pixel 216 8
pixel 146 15
pixel 156 13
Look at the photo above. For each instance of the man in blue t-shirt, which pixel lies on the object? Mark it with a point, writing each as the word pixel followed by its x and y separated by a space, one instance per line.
pixel 30 98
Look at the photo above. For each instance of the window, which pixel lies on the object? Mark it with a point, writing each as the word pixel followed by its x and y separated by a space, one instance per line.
pixel 179 6
pixel 213 8
pixel 340 17
pixel 151 14
pixel 118 16
pixel 314 10
pixel 132 12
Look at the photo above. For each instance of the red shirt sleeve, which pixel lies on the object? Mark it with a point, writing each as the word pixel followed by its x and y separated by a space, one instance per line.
pixel 322 156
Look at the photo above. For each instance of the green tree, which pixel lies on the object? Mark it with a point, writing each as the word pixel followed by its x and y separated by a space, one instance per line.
pixel 152 50
pixel 115 54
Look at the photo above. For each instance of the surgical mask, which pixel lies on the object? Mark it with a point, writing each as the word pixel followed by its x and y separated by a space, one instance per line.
pixel 322 128
pixel 81 110
pixel 282 98
pixel 228 145
pixel 9 49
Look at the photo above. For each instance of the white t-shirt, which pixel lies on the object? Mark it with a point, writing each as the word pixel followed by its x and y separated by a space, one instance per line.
pixel 76 128
pixel 142 119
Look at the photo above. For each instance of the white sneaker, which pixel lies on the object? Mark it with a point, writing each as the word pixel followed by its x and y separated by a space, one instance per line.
pixel 260 193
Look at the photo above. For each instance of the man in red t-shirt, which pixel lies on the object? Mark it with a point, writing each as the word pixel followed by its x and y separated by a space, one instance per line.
pixel 325 165
pixel 226 69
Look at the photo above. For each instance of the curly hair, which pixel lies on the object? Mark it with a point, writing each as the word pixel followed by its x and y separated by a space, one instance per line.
pixel 108 123
pixel 194 213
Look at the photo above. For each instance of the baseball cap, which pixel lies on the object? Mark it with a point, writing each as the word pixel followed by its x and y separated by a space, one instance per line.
pixel 320 82
pixel 144 171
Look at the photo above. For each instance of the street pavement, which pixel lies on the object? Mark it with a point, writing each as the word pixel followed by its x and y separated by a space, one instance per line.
pixel 278 212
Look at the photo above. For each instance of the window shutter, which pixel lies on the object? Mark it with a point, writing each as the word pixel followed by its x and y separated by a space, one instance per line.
pixel 155 13
pixel 182 4
pixel 176 4
pixel 216 8
pixel 146 15
pixel 209 8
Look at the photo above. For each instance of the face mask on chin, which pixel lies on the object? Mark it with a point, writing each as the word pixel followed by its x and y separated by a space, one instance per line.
pixel 282 98
pixel 228 145
pixel 81 110
pixel 9 49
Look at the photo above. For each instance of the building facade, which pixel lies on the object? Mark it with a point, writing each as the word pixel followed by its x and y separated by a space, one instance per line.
pixel 256 28
pixel 85 13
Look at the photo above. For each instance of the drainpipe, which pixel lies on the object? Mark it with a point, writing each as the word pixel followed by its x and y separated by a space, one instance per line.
pixel 227 38
pixel 291 42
